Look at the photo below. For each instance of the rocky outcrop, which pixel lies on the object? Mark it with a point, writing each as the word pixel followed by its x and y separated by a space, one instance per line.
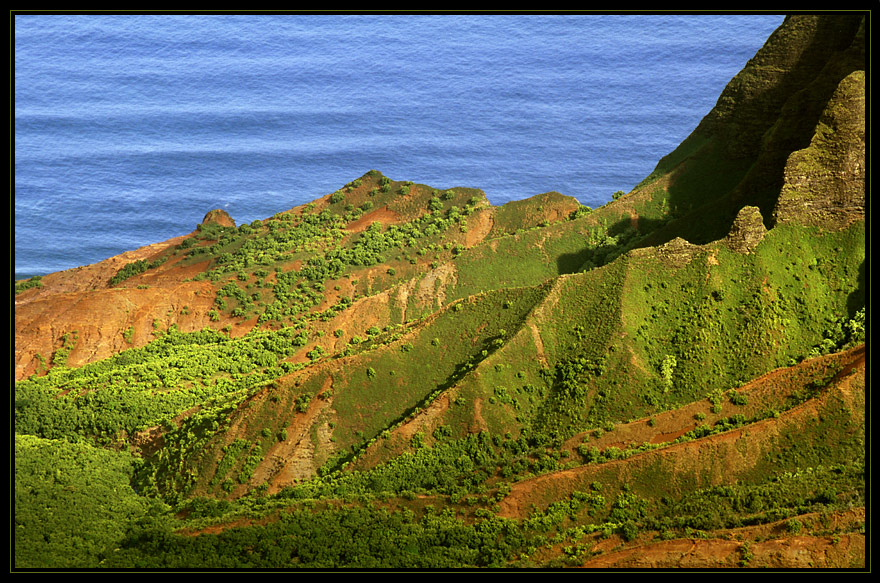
pixel 825 182
pixel 747 230
pixel 678 252
pixel 218 217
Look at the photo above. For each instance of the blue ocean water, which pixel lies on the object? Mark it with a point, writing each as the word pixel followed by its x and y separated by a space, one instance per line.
pixel 129 128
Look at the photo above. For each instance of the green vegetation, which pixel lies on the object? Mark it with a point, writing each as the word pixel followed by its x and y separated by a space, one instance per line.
pixel 385 539
pixel 408 377
pixel 33 282
pixel 389 375
pixel 135 268
pixel 73 503
pixel 397 373
pixel 142 387
pixel 68 343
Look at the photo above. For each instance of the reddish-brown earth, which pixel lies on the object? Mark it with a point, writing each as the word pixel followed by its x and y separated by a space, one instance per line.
pixel 80 300
pixel 765 547
pixel 382 215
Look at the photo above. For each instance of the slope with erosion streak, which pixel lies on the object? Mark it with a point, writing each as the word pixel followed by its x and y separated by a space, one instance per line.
pixel 374 310
pixel 543 254
pixel 469 404
pixel 770 544
pixel 430 360
pixel 769 392
pixel 508 389
pixel 279 427
pixel 609 318
pixel 748 453
pixel 363 395
pixel 81 299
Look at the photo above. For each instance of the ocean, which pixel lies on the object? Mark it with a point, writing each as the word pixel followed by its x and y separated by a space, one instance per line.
pixel 128 128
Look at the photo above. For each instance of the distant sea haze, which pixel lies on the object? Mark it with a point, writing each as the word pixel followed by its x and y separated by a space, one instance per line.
pixel 129 128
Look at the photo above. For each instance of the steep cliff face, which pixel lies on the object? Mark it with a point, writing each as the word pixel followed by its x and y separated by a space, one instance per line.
pixel 825 182
pixel 738 153
pixel 804 49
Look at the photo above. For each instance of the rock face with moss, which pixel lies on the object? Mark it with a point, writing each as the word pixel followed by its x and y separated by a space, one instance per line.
pixel 747 230
pixel 737 155
pixel 825 182
pixel 805 57
pixel 676 253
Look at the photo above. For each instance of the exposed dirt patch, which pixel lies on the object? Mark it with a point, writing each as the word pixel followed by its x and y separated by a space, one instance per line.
pixel 480 226
pixel 94 276
pixel 364 313
pixel 539 343
pixel 427 292
pixel 383 215
pixel 423 421
pixel 292 461
pixel 479 424
pixel 148 441
pixel 110 319
pixel 768 390
pixel 764 546
pixel 237 523
pixel 432 287
pixel 106 320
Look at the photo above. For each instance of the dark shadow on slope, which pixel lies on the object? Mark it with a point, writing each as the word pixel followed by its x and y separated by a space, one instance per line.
pixel 572 262
pixel 856 300
pixel 618 239
pixel 738 158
